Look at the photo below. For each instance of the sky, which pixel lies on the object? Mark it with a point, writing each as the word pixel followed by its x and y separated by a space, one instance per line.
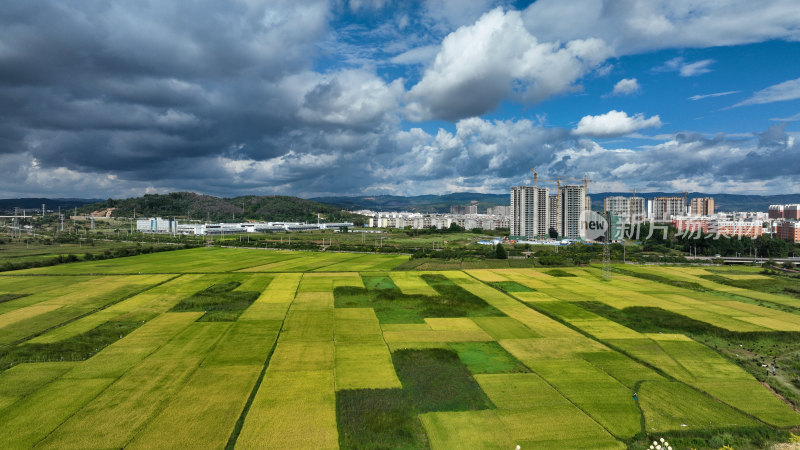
pixel 365 97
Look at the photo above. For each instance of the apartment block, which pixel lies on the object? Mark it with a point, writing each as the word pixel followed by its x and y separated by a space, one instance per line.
pixel 788 231
pixel 572 204
pixel 775 211
pixel 702 206
pixel 530 211
pixel 664 208
pixel 630 208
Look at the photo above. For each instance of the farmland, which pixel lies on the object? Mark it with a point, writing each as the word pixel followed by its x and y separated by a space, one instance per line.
pixel 249 348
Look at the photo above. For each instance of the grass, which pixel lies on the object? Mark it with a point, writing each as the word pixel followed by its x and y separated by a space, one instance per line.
pixel 535 415
pixel 206 408
pixel 487 357
pixel 672 406
pixel 77 348
pixel 221 302
pixel 8 297
pixel 559 273
pixel 437 380
pixel 377 419
pixel 511 286
pixel 748 350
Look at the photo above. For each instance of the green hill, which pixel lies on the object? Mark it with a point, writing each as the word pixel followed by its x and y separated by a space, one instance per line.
pixel 189 205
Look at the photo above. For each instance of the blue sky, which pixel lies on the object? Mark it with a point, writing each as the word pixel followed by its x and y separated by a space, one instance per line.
pixel 319 97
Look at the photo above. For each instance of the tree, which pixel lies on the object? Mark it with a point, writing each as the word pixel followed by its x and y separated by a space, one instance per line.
pixel 500 252
pixel 553 233
pixel 455 227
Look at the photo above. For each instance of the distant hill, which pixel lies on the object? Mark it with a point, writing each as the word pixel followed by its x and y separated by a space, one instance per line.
pixel 8 204
pixel 442 203
pixel 209 208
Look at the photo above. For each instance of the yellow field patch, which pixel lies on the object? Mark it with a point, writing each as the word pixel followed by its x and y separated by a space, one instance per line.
pixel 478 335
pixel 203 413
pixel 292 410
pixel 365 366
pixel 302 356
pixel 467 429
pixel 412 284
pixel 452 324
pixel 531 350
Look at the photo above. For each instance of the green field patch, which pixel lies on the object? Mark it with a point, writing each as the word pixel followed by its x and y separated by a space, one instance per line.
pixel 292 410
pixel 129 351
pixel 405 327
pixel 504 328
pixel 559 273
pixel 466 429
pixel 536 416
pixel 77 348
pixel 620 367
pixel 37 415
pixel 437 380
pixel 598 394
pixel 391 305
pixel 221 302
pixel 749 396
pixel 203 413
pixel 376 419
pixel 23 379
pixel 511 286
pixel 97 293
pixel 113 417
pixel 673 406
pixel 8 297
pixel 372 282
pixel 487 357
pixel 245 343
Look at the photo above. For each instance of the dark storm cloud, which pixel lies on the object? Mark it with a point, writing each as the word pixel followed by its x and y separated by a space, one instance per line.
pixel 127 86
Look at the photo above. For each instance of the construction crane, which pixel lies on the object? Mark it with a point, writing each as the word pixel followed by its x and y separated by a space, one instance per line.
pixel 557 180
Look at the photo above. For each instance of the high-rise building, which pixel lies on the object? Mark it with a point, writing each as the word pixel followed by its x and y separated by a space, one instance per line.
pixel 629 208
pixel 775 212
pixel 472 209
pixel 664 208
pixel 553 210
pixel 702 207
pixel 572 204
pixel 791 212
pixel 788 231
pixel 530 211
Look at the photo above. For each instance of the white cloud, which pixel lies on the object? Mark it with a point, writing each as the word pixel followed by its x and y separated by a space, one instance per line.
pixel 793 118
pixel 626 86
pixel 632 26
pixel 684 68
pixel 788 90
pixel 614 123
pixel 419 55
pixel 481 64
pixel 716 94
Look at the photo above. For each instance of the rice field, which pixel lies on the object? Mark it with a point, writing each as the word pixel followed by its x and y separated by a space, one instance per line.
pixel 214 347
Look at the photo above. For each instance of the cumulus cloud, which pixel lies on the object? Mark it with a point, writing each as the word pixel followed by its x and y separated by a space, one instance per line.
pixel 614 123
pixel 480 65
pixel 685 69
pixel 788 90
pixel 626 86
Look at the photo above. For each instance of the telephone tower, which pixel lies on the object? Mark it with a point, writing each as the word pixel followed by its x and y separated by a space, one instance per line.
pixel 607 250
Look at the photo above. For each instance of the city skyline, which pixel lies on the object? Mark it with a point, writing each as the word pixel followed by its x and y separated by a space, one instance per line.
pixel 368 97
